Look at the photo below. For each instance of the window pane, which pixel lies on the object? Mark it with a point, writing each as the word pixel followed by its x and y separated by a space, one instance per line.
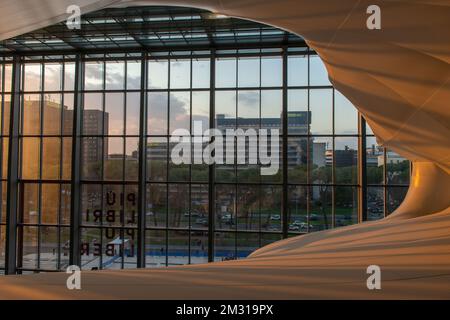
pixel 178 206
pixel 115 75
pixel 321 170
pixel 346 204
pixel 298 70
pixel 133 113
pixel 225 207
pixel 199 206
pixel 248 72
pixel 297 218
pixel 155 248
pixel 31 114
pixel 50 203
pixel 8 78
pixel 321 101
pixel 30 158
pixel 91 204
pixel 67 114
pixel 246 243
pixel 156 206
pixel 69 76
pixel 49 248
pixel 374 162
pixel 93 75
pixel 248 204
pixel 158 74
pixel 318 72
pixel 395 196
pixel 29 247
pixel 398 171
pixel 133 75
pixel 199 247
pixel 51 157
pixel 375 203
pixel 298 116
pixel 52 114
pixel 178 249
pixel 200 110
pixel 345 115
pixel 180 73
pixel 179 110
pixel 131 158
pixel 114 161
pixel 52 78
pixel 271 109
pixel 91 158
pixel 30 202
pixel 32 77
pixel 157 113
pixel 225 73
pixel 346 160
pixel 67 158
pixel 93 114
pixel 271 72
pixel 225 107
pixel 114 113
pixel 157 159
pixel 201 73
pixel 298 160
pixel 271 213
pixel 320 217
pixel 224 246
pixel 248 109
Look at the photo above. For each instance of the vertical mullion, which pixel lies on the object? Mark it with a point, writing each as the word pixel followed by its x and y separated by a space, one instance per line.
pixel 61 155
pixel 190 165
pixel 211 167
pixel 41 147
pixel 308 146
pixel 285 198
pixel 236 126
pixel 75 205
pixel 362 170
pixel 104 137
pixel 333 167
pixel 142 164
pixel 13 172
pixel 168 158
pixel 124 141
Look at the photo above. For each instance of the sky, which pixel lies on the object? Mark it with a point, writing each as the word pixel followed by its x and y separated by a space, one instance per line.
pixel 246 73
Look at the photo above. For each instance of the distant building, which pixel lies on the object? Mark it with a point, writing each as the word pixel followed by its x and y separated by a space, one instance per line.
pixel 318 154
pixel 342 158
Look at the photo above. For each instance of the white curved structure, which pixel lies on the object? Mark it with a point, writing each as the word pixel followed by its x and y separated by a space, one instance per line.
pixel 399 79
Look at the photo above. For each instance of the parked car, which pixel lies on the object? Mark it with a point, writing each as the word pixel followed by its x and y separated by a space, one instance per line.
pixel 275 217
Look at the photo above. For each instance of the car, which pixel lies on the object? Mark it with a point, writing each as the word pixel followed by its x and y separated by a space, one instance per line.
pixel 313 217
pixel 226 216
pixel 275 217
pixel 294 228
pixel 304 225
pixel 201 221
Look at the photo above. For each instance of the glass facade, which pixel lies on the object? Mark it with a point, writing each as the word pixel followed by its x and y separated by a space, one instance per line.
pixel 388 176
pixel 96 181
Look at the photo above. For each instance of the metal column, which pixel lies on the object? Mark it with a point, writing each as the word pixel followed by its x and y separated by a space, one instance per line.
pixel 142 165
pixel 75 202
pixel 13 171
pixel 362 170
